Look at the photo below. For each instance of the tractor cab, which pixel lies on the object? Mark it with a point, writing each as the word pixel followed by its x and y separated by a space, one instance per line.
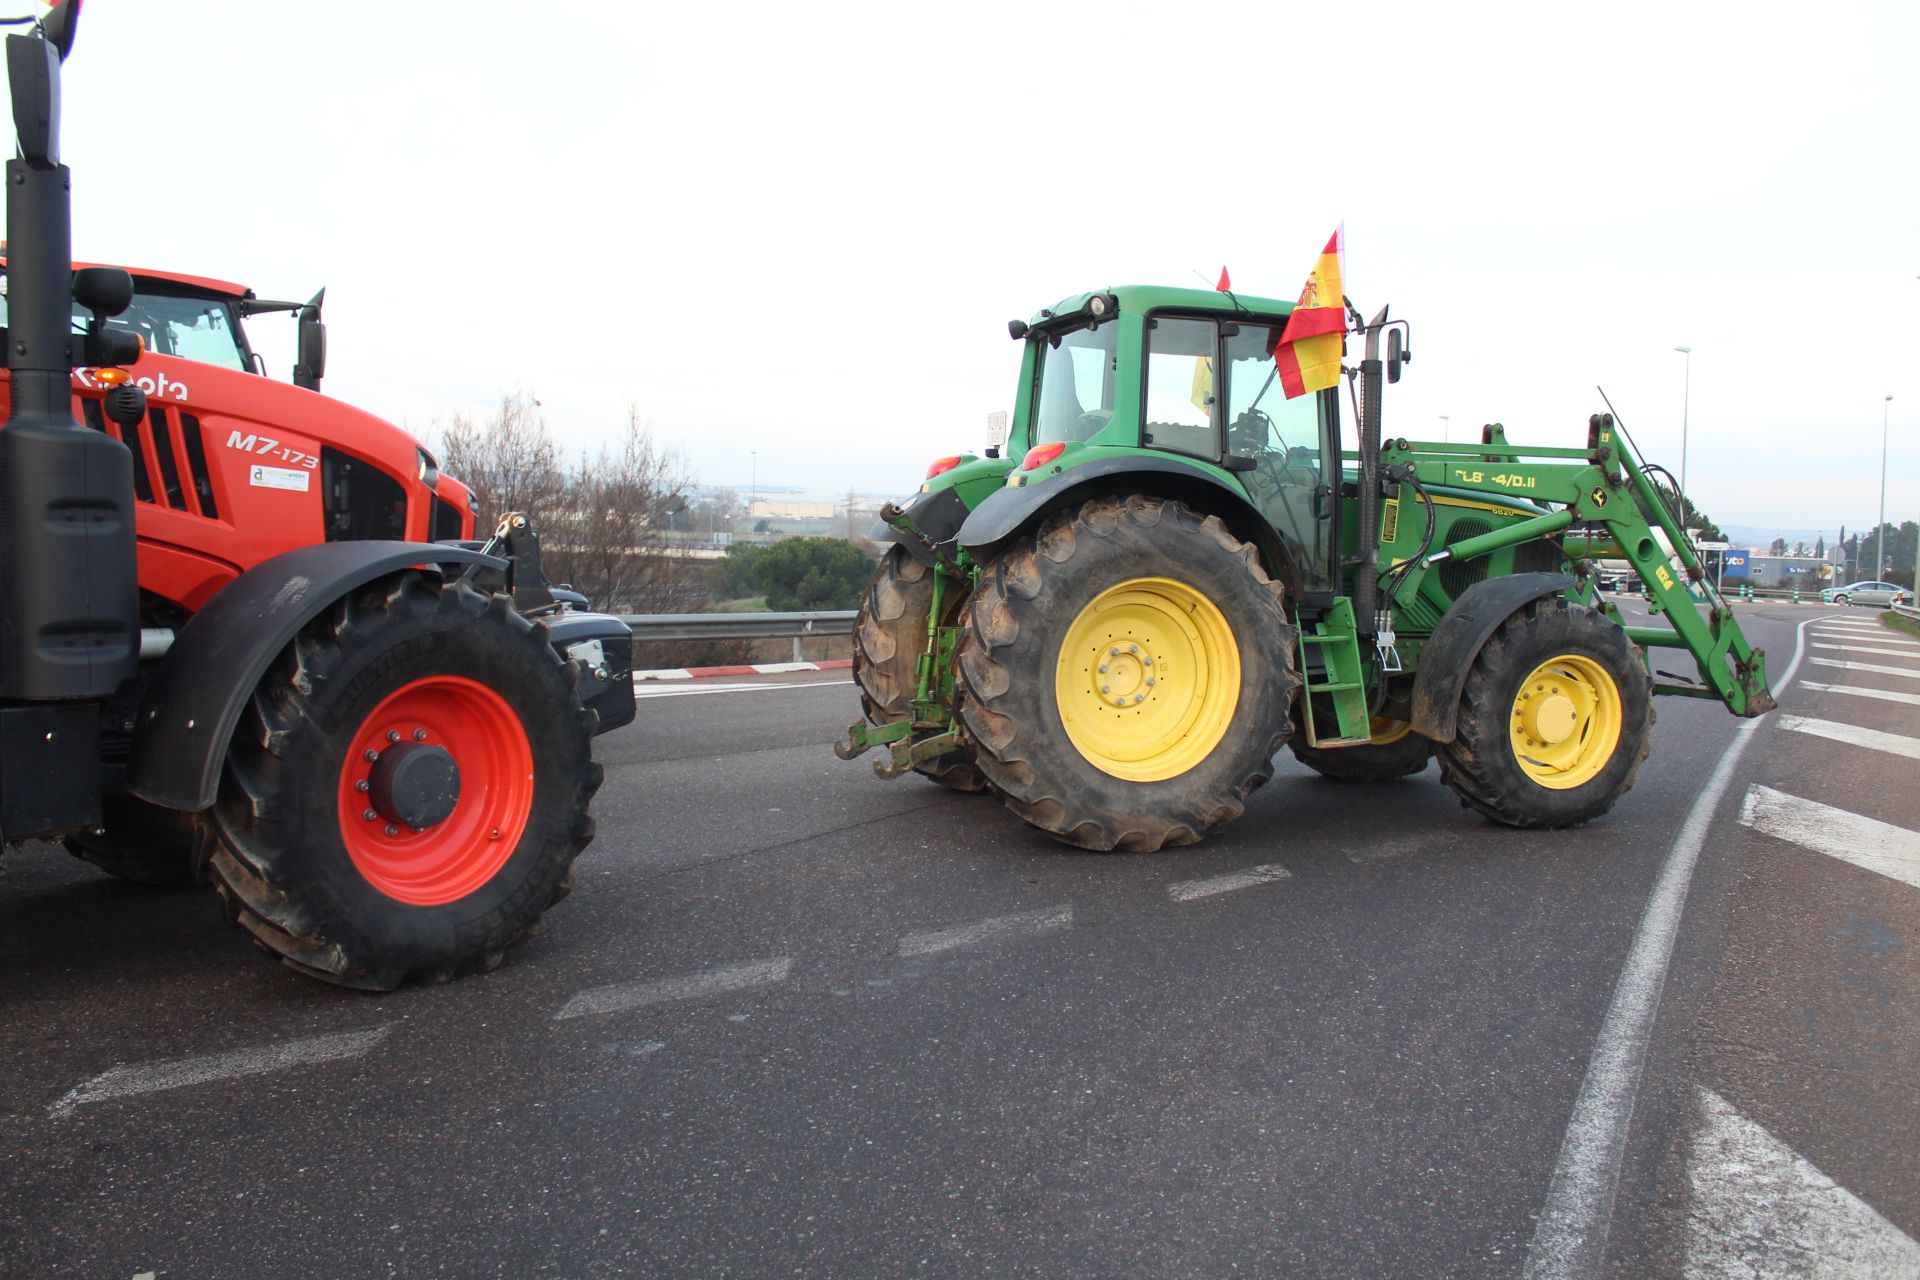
pixel 1189 375
pixel 202 319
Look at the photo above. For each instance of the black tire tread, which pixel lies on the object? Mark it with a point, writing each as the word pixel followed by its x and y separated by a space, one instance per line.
pixel 1475 765
pixel 1016 591
pixel 256 865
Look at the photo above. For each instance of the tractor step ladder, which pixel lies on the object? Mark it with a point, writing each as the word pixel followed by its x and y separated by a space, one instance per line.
pixel 1344 692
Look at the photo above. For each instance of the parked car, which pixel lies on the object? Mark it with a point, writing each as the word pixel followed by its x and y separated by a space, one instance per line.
pixel 1881 593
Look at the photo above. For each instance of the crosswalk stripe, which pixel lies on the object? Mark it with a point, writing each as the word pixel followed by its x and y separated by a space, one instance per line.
pixel 1046 920
pixel 150 1077
pixel 1877 846
pixel 1757 1207
pixel 1188 890
pixel 1861 648
pixel 1865 666
pixel 1892 743
pixel 1861 691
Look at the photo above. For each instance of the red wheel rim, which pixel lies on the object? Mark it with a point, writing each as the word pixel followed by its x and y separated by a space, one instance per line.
pixel 452 858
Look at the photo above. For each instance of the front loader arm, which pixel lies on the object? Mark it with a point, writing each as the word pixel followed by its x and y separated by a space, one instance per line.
pixel 1595 489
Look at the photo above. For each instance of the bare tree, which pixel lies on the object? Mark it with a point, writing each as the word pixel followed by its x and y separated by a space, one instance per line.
pixel 508 460
pixel 609 539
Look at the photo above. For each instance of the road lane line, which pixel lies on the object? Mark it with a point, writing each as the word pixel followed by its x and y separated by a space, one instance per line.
pixel 1861 691
pixel 1861 648
pixel 1757 1207
pixel 1047 920
pixel 1570 1239
pixel 1893 743
pixel 1188 890
pixel 621 996
pixel 151 1077
pixel 1891 851
pixel 1865 666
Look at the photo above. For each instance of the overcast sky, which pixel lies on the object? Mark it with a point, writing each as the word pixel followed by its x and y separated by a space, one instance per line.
pixel 798 230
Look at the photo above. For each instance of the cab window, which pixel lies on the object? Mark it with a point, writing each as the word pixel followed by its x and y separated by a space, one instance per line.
pixel 1289 442
pixel 1075 396
pixel 1181 386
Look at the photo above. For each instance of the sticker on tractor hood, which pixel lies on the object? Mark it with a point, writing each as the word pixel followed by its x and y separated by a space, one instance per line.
pixel 279 478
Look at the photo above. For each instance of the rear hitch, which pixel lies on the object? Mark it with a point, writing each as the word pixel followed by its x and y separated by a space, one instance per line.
pixel 862 737
pixel 908 755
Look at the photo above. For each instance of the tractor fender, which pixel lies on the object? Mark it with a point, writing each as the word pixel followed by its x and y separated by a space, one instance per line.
pixel 1009 511
pixel 1449 653
pixel 195 697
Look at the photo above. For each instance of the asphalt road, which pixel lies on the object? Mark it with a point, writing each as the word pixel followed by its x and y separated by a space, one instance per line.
pixel 798 1021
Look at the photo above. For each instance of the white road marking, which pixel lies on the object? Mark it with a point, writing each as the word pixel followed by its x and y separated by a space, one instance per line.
pixel 1862 648
pixel 1893 743
pixel 1188 890
pixel 1047 920
pixel 1877 636
pixel 736 688
pixel 632 995
pixel 151 1077
pixel 1760 1208
pixel 1865 666
pixel 1861 691
pixel 1570 1239
pixel 1892 851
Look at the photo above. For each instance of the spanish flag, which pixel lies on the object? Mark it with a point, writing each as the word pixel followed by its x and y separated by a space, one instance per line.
pixel 1315 338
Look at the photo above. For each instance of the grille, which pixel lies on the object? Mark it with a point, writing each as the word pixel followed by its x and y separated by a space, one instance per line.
pixel 169 458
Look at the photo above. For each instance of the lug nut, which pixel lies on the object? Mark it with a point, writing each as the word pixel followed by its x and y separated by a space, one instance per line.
pixel 1115 651
pixel 369 815
pixel 1149 682
pixel 1133 648
pixel 392 830
pixel 1105 689
pixel 362 785
pixel 372 755
pixel 1103 668
pixel 1148 659
pixel 393 735
pixel 419 735
pixel 1139 697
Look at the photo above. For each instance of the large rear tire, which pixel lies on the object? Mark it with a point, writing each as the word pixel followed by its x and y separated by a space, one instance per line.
pixel 408 787
pixel 1396 752
pixel 143 843
pixel 1554 719
pixel 888 639
pixel 1127 674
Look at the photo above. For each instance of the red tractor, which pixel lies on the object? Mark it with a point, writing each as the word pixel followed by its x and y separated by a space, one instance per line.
pixel 245 632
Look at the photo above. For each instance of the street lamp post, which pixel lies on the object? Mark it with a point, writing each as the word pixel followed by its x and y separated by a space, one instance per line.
pixel 1446 432
pixel 1880 530
pixel 1686 395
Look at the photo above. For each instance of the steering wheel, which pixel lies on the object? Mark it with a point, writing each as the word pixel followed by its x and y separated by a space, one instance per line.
pixel 1090 423
pixel 1249 434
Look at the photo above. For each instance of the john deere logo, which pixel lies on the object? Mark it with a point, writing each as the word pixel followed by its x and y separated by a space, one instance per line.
pixel 1599 496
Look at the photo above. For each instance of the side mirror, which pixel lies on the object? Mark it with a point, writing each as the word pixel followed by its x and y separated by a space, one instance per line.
pixel 105 291
pixel 1397 355
pixel 311 364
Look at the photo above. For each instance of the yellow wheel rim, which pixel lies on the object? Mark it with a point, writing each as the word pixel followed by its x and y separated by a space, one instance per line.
pixel 1382 732
pixel 1566 722
pixel 1148 679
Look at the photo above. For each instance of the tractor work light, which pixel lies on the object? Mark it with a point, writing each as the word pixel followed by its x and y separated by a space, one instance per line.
pixel 108 376
pixel 1040 455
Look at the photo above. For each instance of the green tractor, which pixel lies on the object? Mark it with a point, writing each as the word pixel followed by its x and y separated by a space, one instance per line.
pixel 1175 569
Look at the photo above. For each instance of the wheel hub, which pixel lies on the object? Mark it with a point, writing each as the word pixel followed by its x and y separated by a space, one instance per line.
pixel 1552 718
pixel 416 783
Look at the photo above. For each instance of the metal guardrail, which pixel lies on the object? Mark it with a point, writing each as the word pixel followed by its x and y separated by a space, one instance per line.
pixel 1907 611
pixel 742 626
